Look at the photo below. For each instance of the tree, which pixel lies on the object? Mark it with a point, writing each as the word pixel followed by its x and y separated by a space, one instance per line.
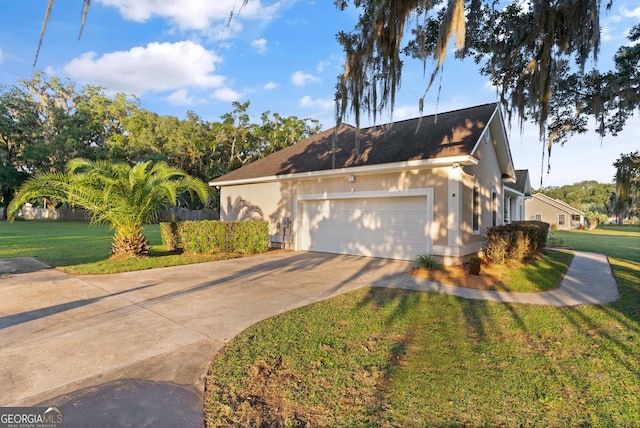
pixel 122 196
pixel 588 193
pixel 534 52
pixel 45 121
pixel 528 49
pixel 19 128
pixel 627 195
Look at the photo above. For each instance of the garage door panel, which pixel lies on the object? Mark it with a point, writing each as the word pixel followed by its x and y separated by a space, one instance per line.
pixel 381 227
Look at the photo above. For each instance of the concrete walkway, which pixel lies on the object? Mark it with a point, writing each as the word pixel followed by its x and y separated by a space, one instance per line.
pixel 132 349
pixel 589 280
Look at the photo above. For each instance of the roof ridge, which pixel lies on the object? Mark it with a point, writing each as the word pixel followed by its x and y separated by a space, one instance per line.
pixel 495 103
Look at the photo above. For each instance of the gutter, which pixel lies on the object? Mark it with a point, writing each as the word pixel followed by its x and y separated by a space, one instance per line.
pixel 367 169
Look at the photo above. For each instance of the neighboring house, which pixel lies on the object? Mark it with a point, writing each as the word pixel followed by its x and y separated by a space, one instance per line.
pixel 425 185
pixel 553 211
pixel 515 195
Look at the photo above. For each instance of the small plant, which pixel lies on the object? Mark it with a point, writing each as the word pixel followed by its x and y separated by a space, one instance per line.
pixel 554 241
pixel 428 261
pixel 473 265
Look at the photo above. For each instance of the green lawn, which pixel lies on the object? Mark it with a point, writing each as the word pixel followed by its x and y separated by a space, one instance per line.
pixel 78 247
pixel 378 357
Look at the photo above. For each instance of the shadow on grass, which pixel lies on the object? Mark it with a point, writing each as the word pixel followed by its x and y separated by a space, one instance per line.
pixel 577 356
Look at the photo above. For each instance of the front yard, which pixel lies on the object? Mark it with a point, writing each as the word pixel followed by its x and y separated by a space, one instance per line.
pixel 378 357
pixel 81 248
pixel 382 357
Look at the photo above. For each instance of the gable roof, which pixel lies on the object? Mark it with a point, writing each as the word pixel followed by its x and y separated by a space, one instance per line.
pixel 523 183
pixel 556 203
pixel 445 135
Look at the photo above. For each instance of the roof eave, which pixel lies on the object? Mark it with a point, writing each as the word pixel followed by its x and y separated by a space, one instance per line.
pixel 368 169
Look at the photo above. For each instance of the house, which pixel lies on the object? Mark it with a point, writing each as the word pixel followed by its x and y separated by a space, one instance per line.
pixel 515 195
pixel 428 185
pixel 553 211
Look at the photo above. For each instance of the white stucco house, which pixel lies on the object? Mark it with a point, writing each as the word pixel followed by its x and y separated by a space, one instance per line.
pixel 425 185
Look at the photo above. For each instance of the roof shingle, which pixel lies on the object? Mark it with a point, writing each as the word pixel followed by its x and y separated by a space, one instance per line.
pixel 444 135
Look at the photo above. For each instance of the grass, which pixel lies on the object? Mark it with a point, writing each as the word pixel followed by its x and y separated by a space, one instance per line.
pixel 616 241
pixel 383 357
pixel 81 248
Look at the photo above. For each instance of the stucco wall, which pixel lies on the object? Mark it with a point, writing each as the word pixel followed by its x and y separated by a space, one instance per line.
pixel 274 201
pixel 489 180
pixel 549 214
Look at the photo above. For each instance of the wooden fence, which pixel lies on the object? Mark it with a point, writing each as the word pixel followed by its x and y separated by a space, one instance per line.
pixel 78 214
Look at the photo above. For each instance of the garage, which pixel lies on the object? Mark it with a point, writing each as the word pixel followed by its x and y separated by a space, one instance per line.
pixel 387 227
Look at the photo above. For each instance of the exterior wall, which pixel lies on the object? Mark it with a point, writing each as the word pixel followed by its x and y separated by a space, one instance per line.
pixel 452 234
pixel 275 201
pixel 487 176
pixel 549 214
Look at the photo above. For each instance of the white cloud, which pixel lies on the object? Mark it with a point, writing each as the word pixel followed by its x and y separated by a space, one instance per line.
pixel 181 97
pixel 271 86
pixel 300 78
pixel 319 103
pixel 260 45
pixel 156 67
pixel 226 94
pixel 322 66
pixel 192 14
pixel 635 13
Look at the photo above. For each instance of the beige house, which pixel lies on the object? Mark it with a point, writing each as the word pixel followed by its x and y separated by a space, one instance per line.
pixel 553 211
pixel 515 195
pixel 418 186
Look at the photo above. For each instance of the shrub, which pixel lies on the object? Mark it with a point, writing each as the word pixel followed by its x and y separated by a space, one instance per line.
pixel 212 236
pixel 520 248
pixel 168 232
pixel 497 246
pixel 517 241
pixel 428 261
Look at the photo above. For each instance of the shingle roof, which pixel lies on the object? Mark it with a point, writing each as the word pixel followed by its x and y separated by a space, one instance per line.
pixel 444 135
pixel 558 203
pixel 521 180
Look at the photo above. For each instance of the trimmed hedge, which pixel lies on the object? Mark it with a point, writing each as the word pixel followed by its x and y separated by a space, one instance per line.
pixel 212 236
pixel 518 241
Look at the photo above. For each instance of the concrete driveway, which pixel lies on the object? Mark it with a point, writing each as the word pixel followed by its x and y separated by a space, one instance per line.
pixel 136 346
pixel 132 349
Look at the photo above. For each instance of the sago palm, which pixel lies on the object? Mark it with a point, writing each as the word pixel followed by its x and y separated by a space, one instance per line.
pixel 122 196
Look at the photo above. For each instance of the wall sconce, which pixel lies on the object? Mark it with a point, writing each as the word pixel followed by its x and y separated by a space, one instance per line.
pixel 351 179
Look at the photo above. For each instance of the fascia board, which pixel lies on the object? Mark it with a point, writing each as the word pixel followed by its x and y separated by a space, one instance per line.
pixel 557 204
pixel 368 169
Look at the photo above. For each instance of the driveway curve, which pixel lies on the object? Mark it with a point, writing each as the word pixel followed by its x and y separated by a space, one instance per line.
pixel 133 349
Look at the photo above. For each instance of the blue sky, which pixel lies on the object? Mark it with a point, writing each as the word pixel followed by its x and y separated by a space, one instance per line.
pixel 179 55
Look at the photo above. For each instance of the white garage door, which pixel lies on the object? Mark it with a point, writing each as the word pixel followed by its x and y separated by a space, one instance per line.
pixel 387 227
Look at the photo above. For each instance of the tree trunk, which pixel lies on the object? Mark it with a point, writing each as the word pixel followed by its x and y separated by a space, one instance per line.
pixel 129 245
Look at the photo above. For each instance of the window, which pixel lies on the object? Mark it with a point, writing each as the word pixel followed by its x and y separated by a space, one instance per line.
pixel 507 210
pixel 476 208
pixel 494 208
pixel 538 217
pixel 561 220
